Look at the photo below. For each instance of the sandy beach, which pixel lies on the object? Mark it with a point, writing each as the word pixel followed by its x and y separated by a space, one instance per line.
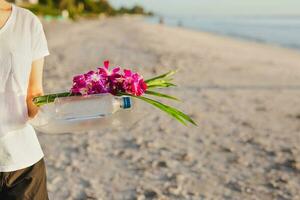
pixel 243 95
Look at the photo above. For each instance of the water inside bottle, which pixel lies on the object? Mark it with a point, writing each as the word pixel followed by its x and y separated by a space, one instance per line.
pixel 85 107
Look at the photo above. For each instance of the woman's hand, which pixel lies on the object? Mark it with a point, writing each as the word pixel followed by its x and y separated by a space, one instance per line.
pixel 35 86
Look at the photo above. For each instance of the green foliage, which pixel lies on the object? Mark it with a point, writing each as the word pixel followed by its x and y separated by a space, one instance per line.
pixel 43 10
pixel 77 8
pixel 134 10
pixel 158 94
pixel 171 111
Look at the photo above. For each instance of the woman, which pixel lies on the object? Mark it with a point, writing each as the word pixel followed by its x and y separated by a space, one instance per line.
pixel 23 47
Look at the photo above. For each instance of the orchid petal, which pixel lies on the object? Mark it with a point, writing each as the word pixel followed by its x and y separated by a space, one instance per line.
pixel 106 64
pixel 115 70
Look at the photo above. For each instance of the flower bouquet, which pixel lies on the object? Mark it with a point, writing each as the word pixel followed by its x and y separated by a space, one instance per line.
pixel 119 83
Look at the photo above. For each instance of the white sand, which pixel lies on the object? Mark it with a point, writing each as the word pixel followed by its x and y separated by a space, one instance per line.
pixel 244 96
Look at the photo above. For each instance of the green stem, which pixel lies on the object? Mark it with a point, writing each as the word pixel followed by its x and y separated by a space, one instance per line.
pixel 49 98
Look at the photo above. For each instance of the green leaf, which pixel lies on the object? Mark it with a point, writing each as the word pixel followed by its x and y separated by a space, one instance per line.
pixel 177 114
pixel 149 92
pixel 168 74
pixel 160 83
pixel 163 85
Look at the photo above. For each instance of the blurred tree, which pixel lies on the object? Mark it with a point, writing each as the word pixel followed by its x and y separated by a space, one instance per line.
pixel 78 7
pixel 137 10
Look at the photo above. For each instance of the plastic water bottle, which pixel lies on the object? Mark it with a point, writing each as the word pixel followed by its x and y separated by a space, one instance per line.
pixel 89 107
pixel 81 113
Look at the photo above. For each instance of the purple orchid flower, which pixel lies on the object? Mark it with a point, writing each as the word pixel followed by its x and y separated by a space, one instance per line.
pixel 106 81
pixel 134 83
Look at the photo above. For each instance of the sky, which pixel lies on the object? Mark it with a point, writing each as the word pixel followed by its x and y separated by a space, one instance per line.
pixel 216 7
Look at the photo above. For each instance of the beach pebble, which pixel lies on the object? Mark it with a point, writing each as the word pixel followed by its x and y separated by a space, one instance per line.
pixel 180 178
pixel 175 190
pixel 118 152
pixel 187 157
pixel 141 197
pixel 160 164
pixel 150 194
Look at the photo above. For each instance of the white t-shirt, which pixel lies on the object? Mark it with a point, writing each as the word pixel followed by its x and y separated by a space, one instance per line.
pixel 22 40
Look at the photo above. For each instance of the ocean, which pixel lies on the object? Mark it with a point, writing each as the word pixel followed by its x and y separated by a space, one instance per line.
pixel 276 30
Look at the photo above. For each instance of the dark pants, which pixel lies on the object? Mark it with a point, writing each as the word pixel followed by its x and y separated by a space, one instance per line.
pixel 25 184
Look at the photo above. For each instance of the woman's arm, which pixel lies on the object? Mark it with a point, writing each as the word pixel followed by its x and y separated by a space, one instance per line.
pixel 35 87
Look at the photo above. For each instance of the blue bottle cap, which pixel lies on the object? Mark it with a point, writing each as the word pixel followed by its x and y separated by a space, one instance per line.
pixel 126 102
